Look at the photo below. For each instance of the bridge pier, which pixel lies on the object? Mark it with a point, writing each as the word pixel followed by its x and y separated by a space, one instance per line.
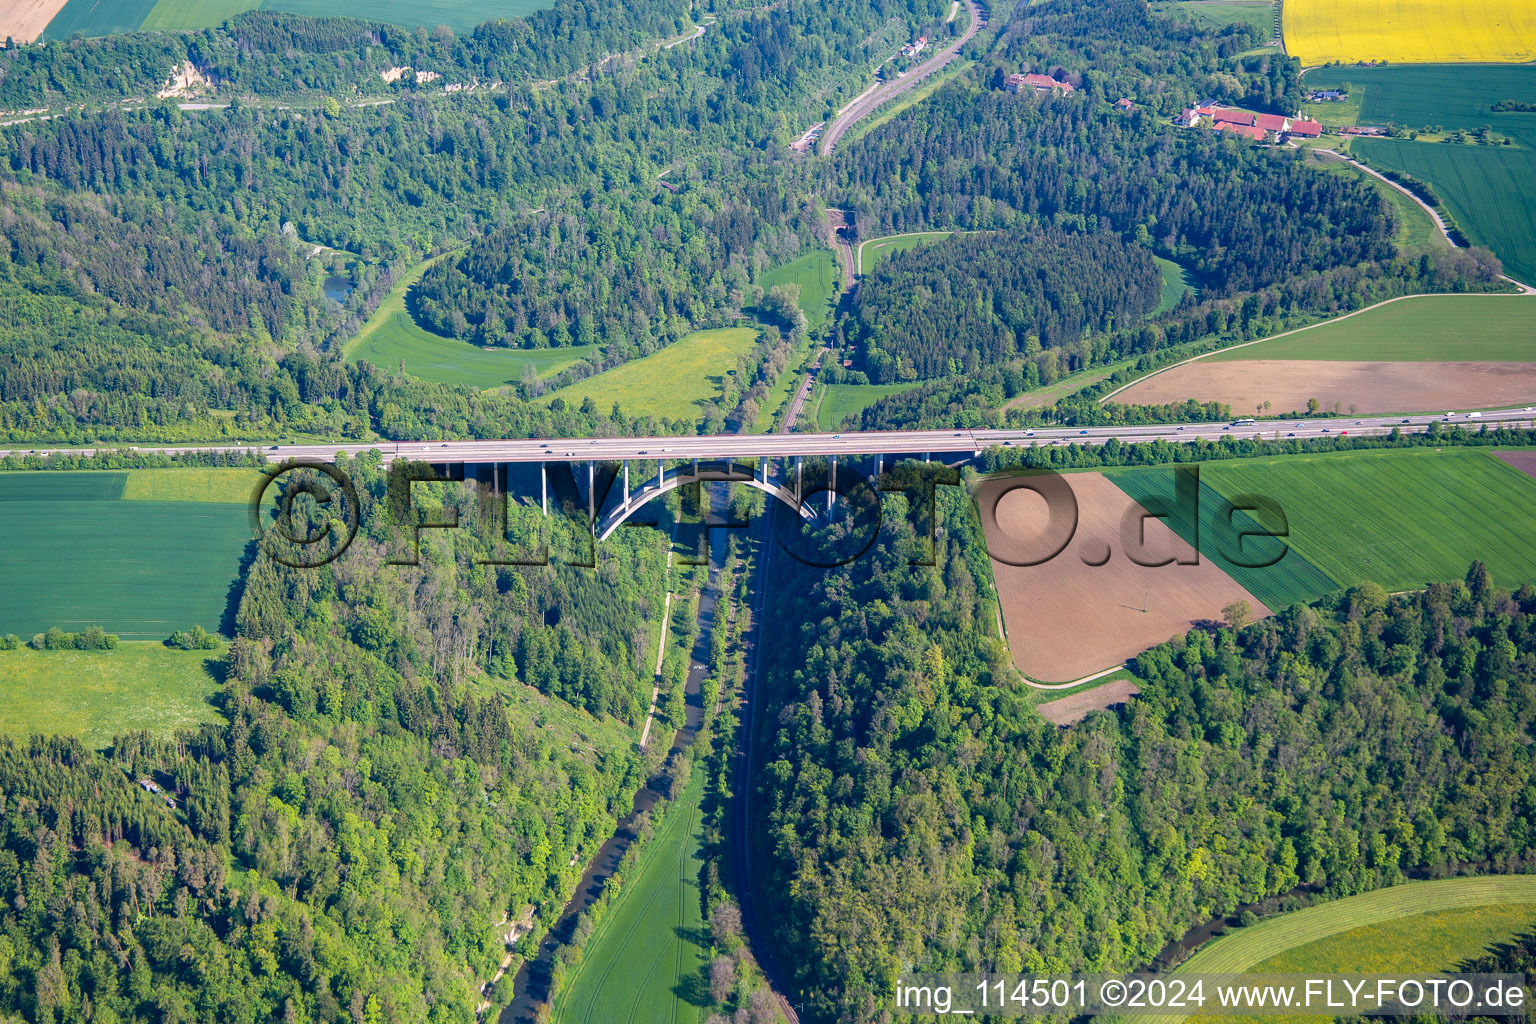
pixel 591 490
pixel 626 481
pixel 832 483
pixel 798 475
pixel 544 487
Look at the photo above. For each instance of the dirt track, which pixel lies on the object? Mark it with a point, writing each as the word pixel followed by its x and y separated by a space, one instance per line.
pixel 24 20
pixel 1067 618
pixel 1287 384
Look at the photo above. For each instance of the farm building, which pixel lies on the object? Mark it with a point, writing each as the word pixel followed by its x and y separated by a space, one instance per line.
pixel 1328 96
pixel 1017 82
pixel 1125 103
pixel 915 47
pixel 1249 131
pixel 1248 123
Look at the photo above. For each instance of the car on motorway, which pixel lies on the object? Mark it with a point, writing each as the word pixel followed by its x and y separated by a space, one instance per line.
pixel 1291 434
pixel 836 436
pixel 1029 433
pixel 1223 428
pixel 1008 444
pixel 1084 431
pixel 641 452
pixel 1407 421
pixel 1181 428
pixel 1326 430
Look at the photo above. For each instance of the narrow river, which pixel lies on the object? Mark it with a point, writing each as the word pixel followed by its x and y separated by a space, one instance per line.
pixel 532 981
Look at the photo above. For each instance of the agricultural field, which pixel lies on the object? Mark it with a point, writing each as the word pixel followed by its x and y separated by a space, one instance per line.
pixel 183 14
pixel 1075 707
pixel 1398 518
pixel 668 384
pixel 24 20
pixel 1092 589
pixel 79 553
pixel 1218 14
pixel 816 274
pixel 198 484
pixel 1422 329
pixel 1490 190
pixel 1176 281
pixel 870 253
pixel 1412 355
pixel 107 17
pixel 648 960
pixel 1271 940
pixel 1409 31
pixel 840 401
pixel 96 695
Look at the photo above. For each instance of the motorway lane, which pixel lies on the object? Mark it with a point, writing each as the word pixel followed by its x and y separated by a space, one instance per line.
pixel 848 443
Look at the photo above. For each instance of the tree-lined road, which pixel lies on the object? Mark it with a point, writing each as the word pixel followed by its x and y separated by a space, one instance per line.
pixel 848 443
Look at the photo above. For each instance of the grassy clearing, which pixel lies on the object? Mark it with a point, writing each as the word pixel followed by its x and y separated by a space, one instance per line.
pixel 96 695
pixel 840 401
pixel 1490 190
pixel 649 958
pixel 76 556
pixel 1399 518
pixel 391 304
pixel 870 253
pixel 431 357
pixel 672 383
pixel 459 15
pixel 1218 14
pixel 1409 31
pixel 816 274
pixel 196 484
pixel 1428 329
pixel 1176 281
pixel 98 18
pixel 391 337
pixel 183 14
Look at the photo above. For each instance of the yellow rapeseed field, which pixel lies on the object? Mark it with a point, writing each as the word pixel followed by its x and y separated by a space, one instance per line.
pixel 1410 31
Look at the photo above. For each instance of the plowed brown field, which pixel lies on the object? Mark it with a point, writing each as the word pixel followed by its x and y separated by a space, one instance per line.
pixel 1287 384
pixel 1073 709
pixel 1067 618
pixel 24 20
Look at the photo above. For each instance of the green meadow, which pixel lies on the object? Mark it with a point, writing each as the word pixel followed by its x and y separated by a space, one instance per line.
pixel 870 253
pixel 96 695
pixel 648 959
pixel 671 383
pixel 432 357
pixel 1176 281
pixel 1408 928
pixel 1399 518
pixel 816 274
pixel 840 401
pixel 391 338
pixel 107 17
pixel 1218 14
pixel 83 550
pixel 1427 328
pixel 1490 190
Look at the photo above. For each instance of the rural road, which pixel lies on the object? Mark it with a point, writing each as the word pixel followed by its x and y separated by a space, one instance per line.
pixel 872 99
pixel 1434 214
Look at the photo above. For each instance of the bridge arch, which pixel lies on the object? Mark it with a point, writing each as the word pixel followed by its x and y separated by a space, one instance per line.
pixel 702 472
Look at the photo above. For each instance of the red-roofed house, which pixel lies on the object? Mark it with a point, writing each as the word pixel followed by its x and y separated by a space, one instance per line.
pixel 1272 123
pixel 1232 115
pixel 1306 129
pixel 1045 83
pixel 1251 131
